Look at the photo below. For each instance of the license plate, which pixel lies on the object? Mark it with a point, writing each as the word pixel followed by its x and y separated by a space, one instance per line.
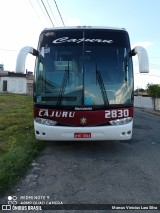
pixel 82 135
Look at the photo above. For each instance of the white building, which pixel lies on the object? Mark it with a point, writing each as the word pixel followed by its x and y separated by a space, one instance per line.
pixel 16 83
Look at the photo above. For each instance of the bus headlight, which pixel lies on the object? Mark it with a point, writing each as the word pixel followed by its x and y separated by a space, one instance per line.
pixel 121 121
pixel 45 121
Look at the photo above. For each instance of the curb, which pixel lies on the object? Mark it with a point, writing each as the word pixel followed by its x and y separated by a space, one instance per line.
pixel 151 111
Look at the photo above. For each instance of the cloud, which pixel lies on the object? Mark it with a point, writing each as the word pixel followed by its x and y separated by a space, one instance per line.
pixel 142 43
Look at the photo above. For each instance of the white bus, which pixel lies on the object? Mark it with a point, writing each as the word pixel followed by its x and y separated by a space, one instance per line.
pixel 83 88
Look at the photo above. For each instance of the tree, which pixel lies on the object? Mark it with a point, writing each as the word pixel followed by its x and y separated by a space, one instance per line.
pixel 154 91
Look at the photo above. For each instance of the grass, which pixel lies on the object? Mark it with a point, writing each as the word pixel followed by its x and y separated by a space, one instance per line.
pixel 18 146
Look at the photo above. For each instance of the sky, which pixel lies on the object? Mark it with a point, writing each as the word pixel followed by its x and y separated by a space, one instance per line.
pixel 21 22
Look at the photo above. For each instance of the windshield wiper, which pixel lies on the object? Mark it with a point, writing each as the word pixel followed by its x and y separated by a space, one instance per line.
pixel 102 87
pixel 63 85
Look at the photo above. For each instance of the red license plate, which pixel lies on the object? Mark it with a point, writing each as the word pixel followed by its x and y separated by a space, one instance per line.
pixel 82 135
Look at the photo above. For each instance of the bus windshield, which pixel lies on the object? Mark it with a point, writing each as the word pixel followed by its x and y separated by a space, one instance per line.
pixel 84 68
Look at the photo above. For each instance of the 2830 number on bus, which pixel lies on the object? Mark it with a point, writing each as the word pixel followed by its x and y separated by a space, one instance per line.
pixel 117 113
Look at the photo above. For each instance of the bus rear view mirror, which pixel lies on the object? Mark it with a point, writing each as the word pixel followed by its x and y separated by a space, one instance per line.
pixel 21 59
pixel 142 58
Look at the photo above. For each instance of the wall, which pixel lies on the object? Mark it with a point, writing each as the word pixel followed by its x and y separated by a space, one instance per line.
pixel 14 84
pixel 157 104
pixel 144 102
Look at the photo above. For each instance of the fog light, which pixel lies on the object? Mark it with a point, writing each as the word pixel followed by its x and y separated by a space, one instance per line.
pixel 129 132
pixel 123 133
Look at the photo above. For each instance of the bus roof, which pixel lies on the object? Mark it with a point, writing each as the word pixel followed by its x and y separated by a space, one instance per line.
pixel 84 27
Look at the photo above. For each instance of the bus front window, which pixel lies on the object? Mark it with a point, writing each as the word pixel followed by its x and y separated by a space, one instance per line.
pixel 63 75
pixel 115 72
pixel 88 73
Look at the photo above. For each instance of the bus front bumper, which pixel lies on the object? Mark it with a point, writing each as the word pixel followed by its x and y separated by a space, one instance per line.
pixel 104 133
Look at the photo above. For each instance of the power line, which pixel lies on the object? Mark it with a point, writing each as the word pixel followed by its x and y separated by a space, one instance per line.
pixel 52 12
pixel 7 50
pixel 35 10
pixel 42 10
pixel 47 12
pixel 59 12
pixel 37 14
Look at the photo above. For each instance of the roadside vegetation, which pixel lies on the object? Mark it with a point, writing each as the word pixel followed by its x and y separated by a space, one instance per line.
pixel 154 91
pixel 18 146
